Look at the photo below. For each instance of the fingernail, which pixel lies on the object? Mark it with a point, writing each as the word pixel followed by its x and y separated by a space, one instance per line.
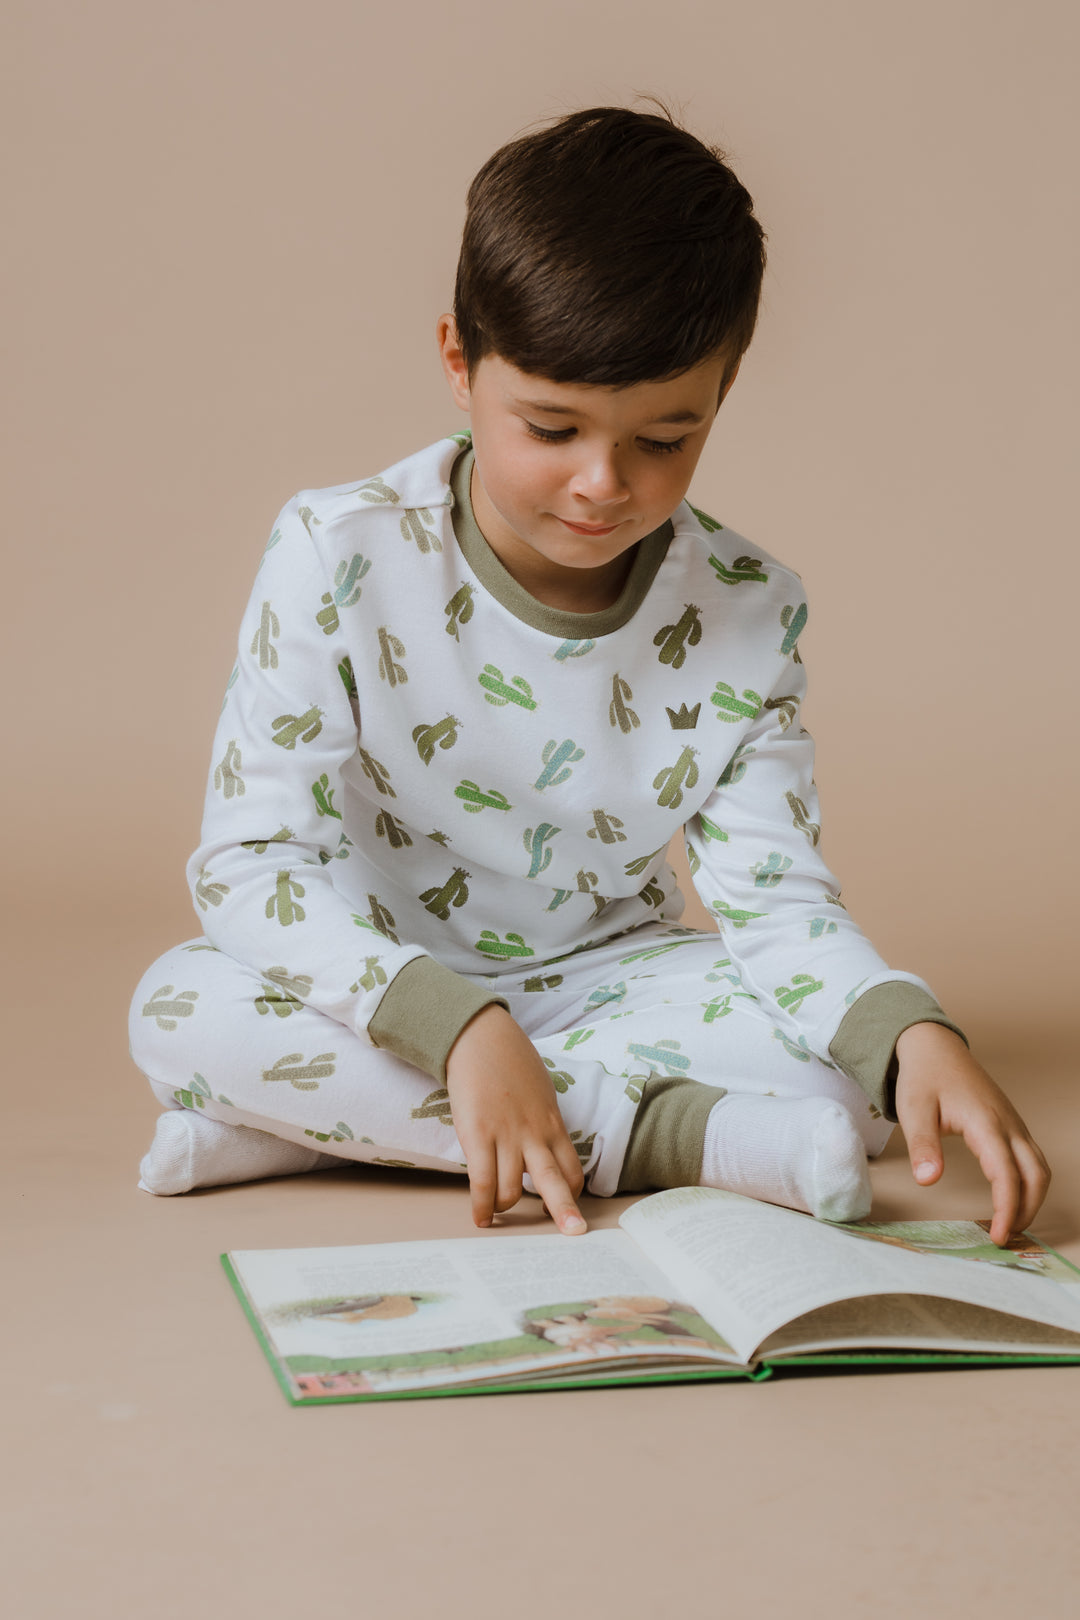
pixel 573 1225
pixel 925 1169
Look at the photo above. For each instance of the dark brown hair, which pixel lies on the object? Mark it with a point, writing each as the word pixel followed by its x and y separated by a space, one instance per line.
pixel 609 249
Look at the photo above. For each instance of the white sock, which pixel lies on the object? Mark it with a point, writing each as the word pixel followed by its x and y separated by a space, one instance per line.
pixel 190 1151
pixel 803 1152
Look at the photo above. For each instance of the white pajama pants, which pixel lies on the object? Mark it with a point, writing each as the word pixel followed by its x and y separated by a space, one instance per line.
pixel 661 1003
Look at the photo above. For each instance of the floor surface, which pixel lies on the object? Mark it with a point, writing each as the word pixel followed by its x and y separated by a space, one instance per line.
pixel 154 1468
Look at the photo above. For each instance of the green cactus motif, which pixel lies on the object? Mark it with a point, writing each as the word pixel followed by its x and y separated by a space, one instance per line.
pixel 454 892
pixel 710 831
pixel 165 1008
pixel 671 781
pixel 559 898
pixel 735 769
pixel 583 1147
pixel 374 974
pixel 717 974
pixel 573 649
pixel 635 867
pixel 378 773
pixel 794 622
pixel 340 1133
pixel 323 794
pixel 436 1105
pixel 196 1095
pixel 500 692
pixel 732 709
pixel 801 819
pixel 328 616
pixel 459 610
pixel 395 834
pixel 475 800
pixel 718 1007
pixel 534 839
pixel 413 527
pixel 273 998
pixel 666 1055
pixel 618 713
pixel 261 644
pixel 853 995
pixel 282 902
pixel 284 835
pixel 304 1076
pixel 801 986
pixel 541 981
pixel 673 639
pixel 605 993
pixel 737 919
pixel 821 926
pixel 381 919
pixel 635 1083
pixel 650 952
pixel 786 707
pixel 586 882
pixel 275 539
pixel 348 678
pixel 768 873
pixel 376 491
pixel 227 777
pixel 693 859
pixel 742 570
pixel 294 728
pixel 652 893
pixel 440 838
pixel 799 1049
pixel 490 944
pixel 294 984
pixel 441 733
pixel 347 577
pixel 606 828
pixel 556 755
pixel 307 518
pixel 559 1077
pixel 207 893
pixel 391 648
pixel 577 1037
pixel 709 524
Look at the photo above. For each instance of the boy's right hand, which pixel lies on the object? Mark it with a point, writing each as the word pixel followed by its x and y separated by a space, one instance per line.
pixel 508 1121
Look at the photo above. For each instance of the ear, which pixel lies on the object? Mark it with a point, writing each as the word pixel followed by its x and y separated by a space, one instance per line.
pixel 453 361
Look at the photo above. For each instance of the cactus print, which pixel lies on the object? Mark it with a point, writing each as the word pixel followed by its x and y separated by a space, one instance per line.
pixel 208 893
pixel 261 643
pixel 684 773
pixel 558 760
pixel 459 610
pixel 442 734
pixel 166 1009
pixel 390 650
pixel 386 826
pixel 293 728
pixel 742 570
pixel 347 577
pixel 284 903
pixel 618 712
pixel 535 839
pixel 800 819
pixel 454 892
pixel 674 639
pixel 475 800
pixel 416 525
pixel 227 777
pixel 496 690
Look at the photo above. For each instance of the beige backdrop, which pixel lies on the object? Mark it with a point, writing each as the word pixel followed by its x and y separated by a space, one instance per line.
pixel 231 227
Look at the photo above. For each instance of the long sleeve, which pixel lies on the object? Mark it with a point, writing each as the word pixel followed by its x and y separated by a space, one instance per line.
pixel 263 877
pixel 754 851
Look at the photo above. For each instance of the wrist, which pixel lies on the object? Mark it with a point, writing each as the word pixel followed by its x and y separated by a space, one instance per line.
pixel 927 1037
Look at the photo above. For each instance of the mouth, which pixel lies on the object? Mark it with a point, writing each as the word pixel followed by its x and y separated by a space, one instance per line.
pixel 584 528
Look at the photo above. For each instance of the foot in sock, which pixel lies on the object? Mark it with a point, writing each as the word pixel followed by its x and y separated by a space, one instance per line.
pixel 190 1151
pixel 804 1152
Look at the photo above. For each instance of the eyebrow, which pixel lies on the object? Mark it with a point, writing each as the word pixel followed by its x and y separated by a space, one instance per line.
pixel 568 410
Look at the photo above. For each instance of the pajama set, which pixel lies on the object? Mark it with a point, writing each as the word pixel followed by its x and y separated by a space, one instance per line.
pixel 430 792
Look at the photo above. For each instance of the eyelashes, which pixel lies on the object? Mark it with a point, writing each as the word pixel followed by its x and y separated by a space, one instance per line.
pixel 658 447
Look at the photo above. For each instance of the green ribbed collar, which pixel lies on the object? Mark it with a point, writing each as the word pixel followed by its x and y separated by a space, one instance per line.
pixel 502 585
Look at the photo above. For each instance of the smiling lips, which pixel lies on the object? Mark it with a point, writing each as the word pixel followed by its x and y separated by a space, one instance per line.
pixel 583 528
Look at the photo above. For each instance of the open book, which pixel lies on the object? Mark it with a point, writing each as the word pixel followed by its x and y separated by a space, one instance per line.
pixel 696 1284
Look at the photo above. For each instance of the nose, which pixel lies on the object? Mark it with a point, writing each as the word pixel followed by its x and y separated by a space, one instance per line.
pixel 599 481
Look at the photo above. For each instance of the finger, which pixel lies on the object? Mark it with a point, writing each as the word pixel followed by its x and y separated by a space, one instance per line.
pixel 921 1124
pixel 1035 1179
pixel 509 1180
pixel 1001 1171
pixel 483 1181
pixel 566 1156
pixel 552 1186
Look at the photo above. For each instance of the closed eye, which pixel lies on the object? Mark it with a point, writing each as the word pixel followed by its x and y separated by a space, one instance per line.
pixel 660 447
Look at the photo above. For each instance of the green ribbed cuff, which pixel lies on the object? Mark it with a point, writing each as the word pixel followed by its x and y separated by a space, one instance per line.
pixel 667 1139
pixel 864 1046
pixel 424 1010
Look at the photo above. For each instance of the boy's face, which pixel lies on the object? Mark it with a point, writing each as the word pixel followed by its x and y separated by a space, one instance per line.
pixel 602 460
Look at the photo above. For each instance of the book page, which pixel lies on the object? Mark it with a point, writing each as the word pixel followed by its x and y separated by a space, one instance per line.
pixel 909 1322
pixel 751 1267
pixel 419 1315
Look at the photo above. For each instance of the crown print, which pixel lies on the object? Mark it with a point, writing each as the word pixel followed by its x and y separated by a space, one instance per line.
pixel 686 719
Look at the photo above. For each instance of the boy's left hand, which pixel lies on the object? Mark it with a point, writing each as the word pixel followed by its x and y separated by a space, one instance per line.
pixel 942 1090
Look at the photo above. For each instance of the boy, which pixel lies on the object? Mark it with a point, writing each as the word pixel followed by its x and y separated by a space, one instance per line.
pixel 476 696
